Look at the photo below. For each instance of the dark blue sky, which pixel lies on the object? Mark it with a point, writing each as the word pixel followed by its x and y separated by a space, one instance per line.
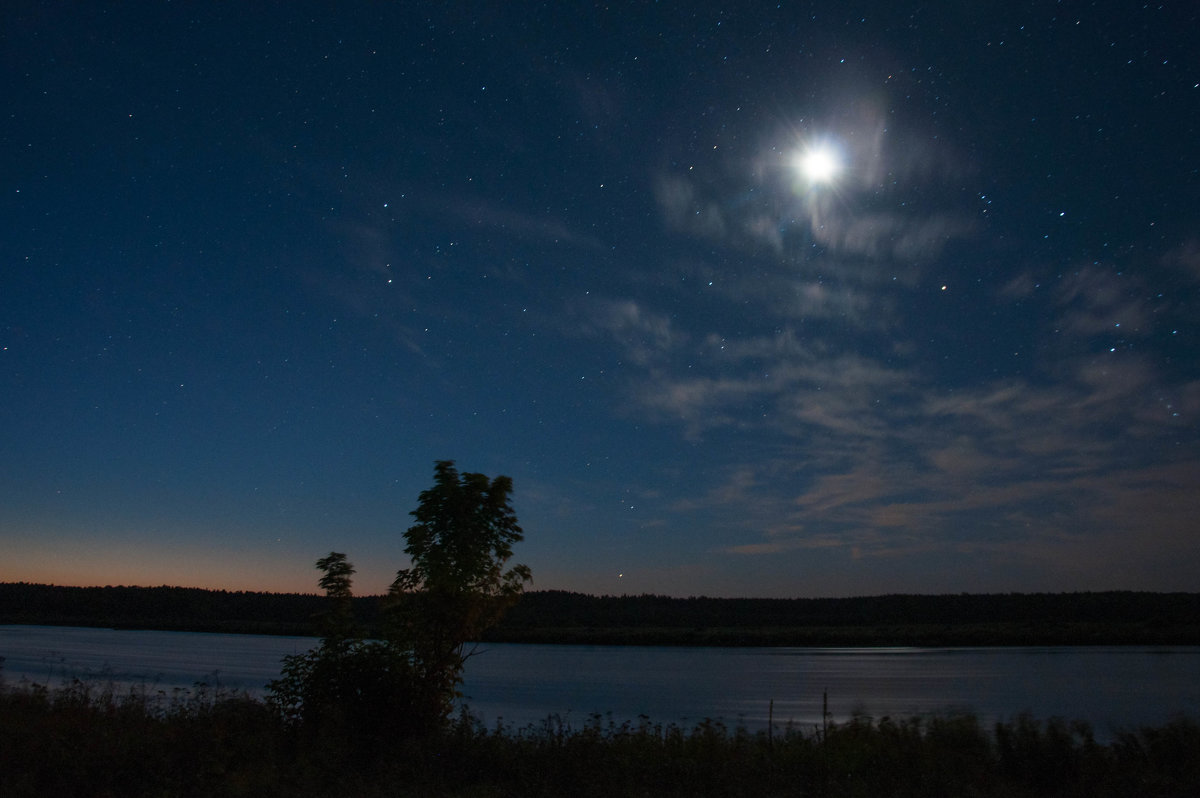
pixel 263 264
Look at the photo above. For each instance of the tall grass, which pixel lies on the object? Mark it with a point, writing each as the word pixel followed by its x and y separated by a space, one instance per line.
pixel 93 740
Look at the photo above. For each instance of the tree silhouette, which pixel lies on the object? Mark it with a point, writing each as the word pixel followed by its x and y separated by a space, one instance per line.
pixel 457 585
pixel 338 622
pixel 348 687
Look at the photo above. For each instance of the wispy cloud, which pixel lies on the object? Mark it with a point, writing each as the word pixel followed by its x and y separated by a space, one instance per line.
pixel 1093 301
pixel 861 444
pixel 856 419
pixel 892 235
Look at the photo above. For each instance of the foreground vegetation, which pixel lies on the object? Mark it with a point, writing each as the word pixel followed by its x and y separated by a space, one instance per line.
pixel 87 740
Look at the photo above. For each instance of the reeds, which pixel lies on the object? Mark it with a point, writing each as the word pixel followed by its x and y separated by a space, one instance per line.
pixel 90 739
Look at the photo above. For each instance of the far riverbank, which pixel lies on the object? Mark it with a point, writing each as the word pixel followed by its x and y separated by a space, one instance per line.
pixel 558 617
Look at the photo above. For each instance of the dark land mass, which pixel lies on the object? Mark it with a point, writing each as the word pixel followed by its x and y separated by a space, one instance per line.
pixel 1103 618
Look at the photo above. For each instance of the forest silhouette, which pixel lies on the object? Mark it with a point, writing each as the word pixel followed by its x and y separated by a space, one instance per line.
pixel 551 616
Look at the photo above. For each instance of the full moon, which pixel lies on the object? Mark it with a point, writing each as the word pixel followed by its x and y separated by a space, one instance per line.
pixel 820 164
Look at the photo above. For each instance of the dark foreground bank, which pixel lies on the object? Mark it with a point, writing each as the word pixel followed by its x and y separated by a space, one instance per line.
pixel 86 740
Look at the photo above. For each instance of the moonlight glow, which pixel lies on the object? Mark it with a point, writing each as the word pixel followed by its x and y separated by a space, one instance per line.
pixel 819 164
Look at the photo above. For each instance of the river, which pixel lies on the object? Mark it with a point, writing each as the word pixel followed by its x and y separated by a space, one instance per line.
pixel 1113 688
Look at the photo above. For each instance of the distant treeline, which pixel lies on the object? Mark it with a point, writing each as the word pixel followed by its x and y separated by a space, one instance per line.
pixel 1107 618
pixel 175 608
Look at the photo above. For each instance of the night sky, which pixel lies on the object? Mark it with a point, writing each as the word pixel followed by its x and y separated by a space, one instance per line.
pixel 795 299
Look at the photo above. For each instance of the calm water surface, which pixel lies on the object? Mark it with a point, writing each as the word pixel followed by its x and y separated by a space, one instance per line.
pixel 1111 687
